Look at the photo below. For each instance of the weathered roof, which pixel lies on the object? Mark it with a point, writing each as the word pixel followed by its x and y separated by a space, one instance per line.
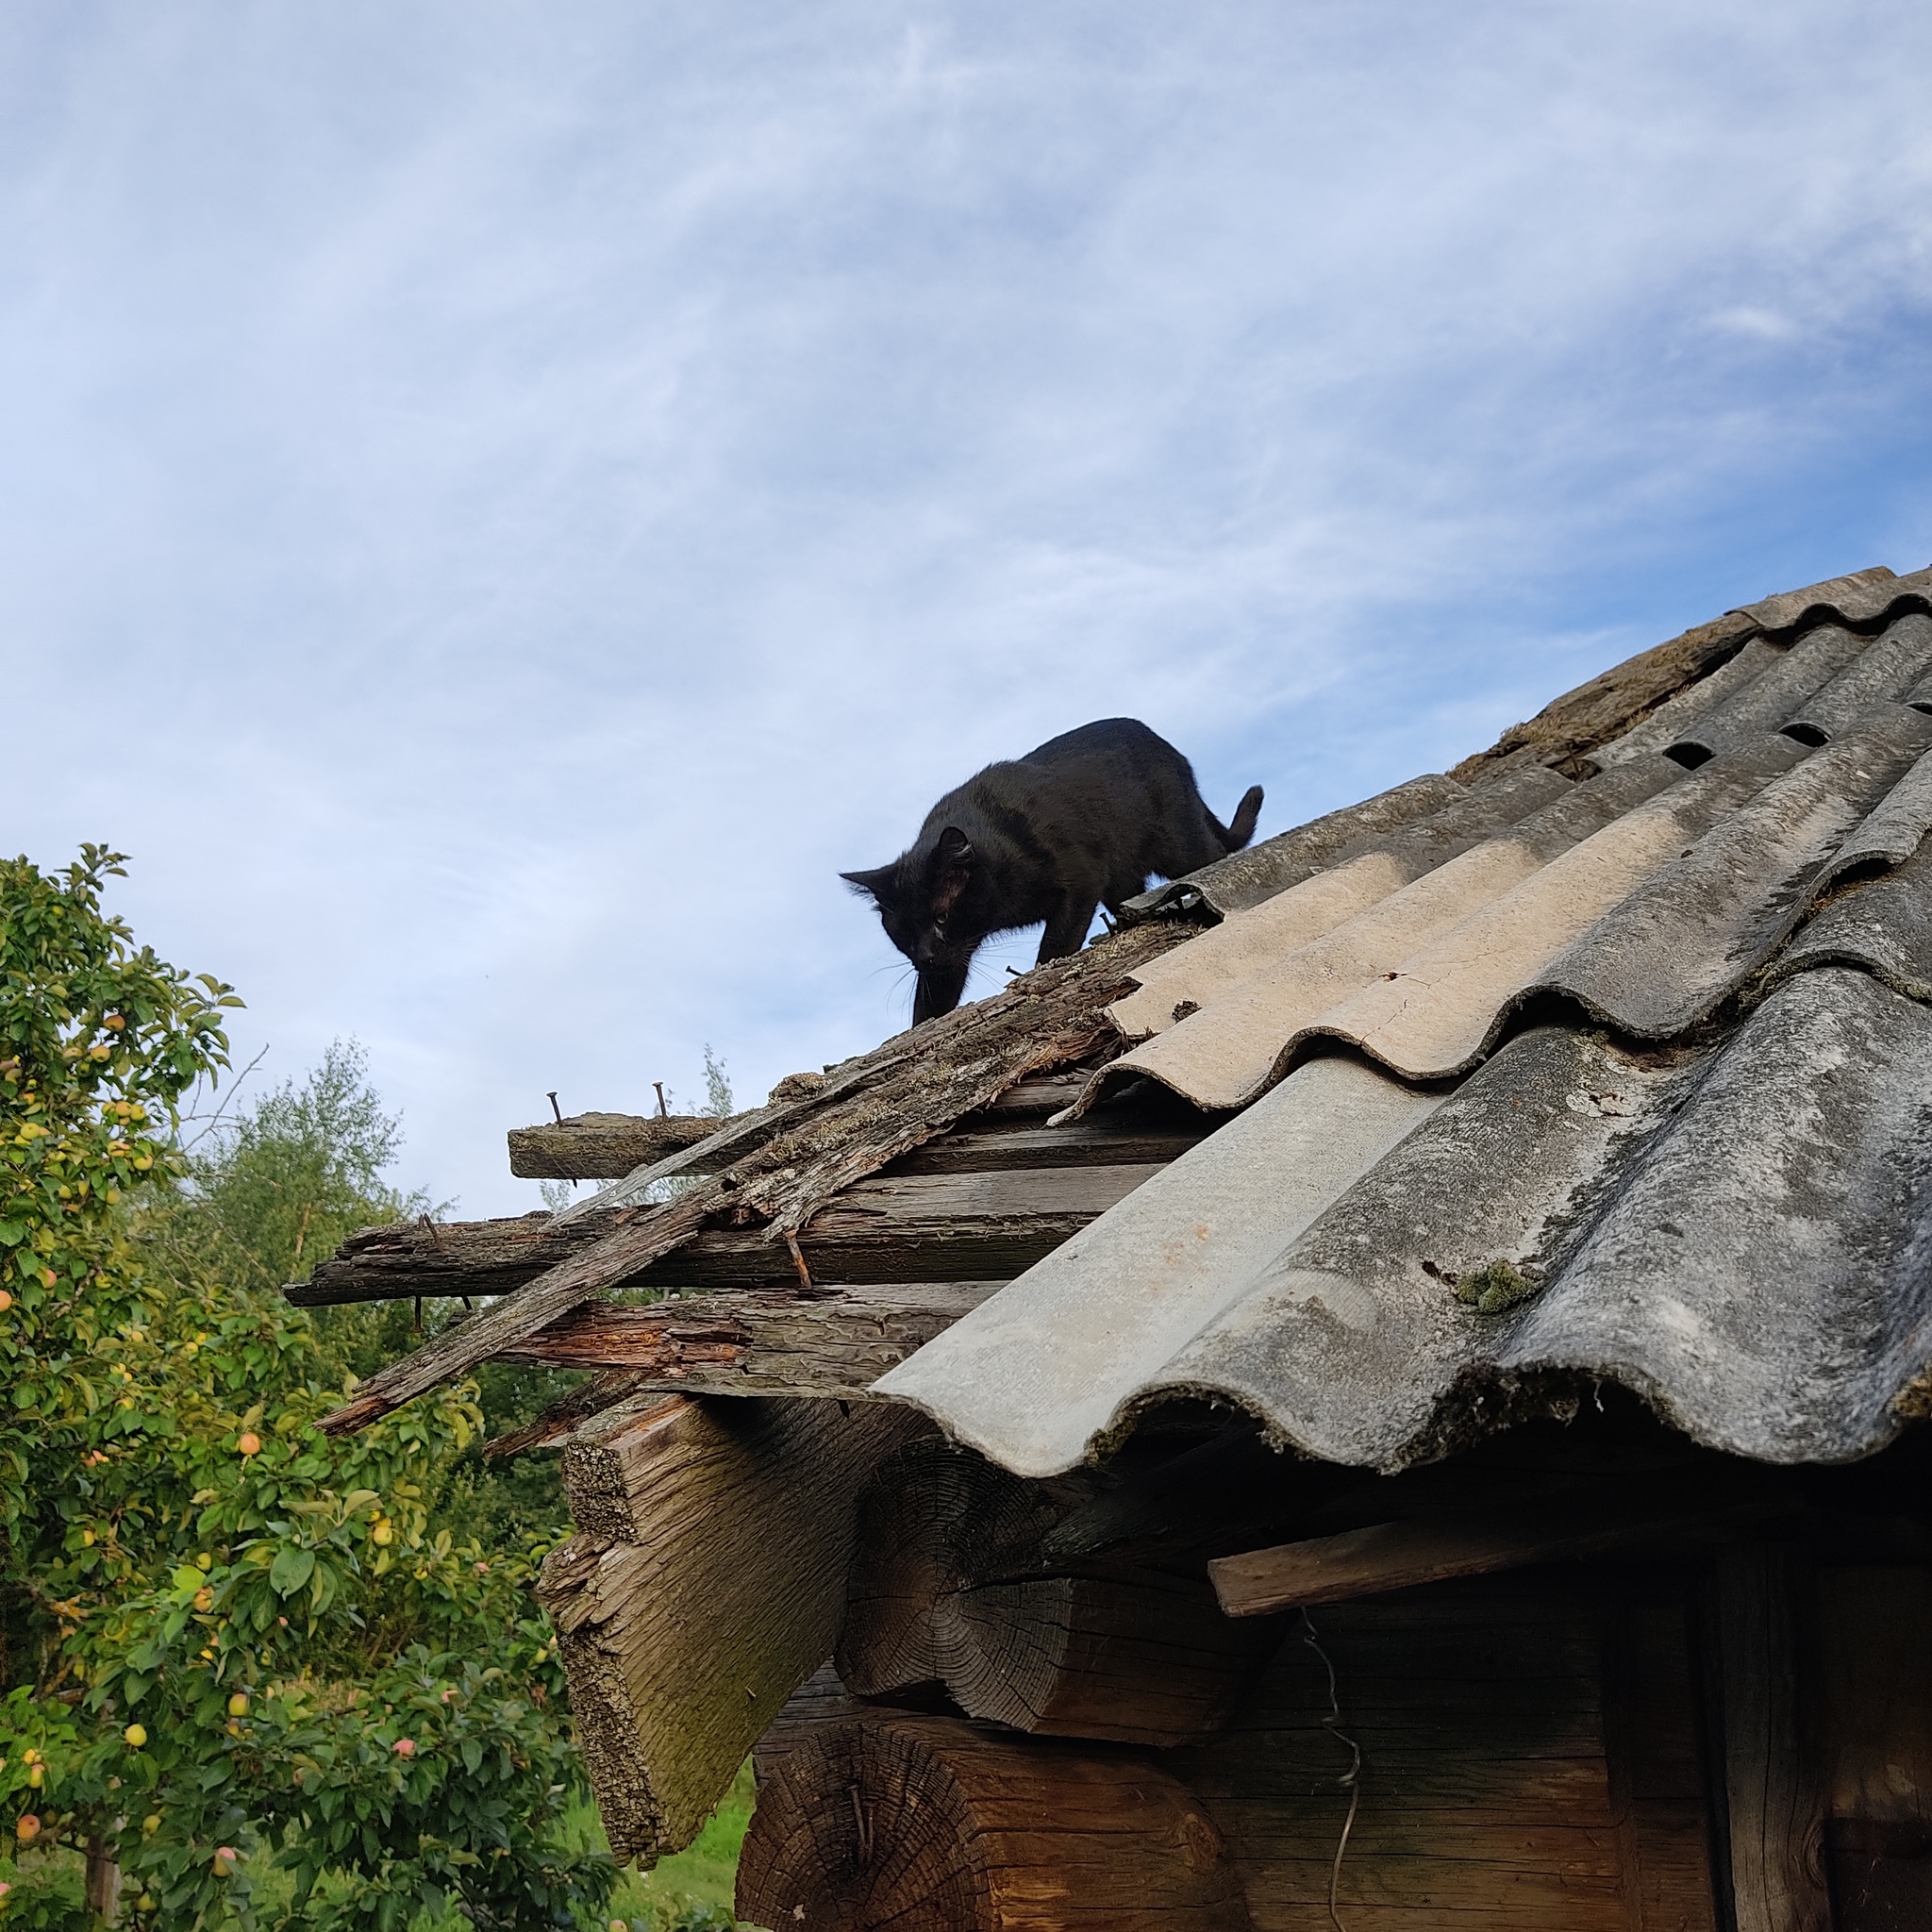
pixel 1591 1062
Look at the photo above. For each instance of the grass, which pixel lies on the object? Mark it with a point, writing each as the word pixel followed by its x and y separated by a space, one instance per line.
pixel 691 1890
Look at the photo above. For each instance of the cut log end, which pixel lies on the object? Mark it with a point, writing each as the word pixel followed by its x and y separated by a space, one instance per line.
pixel 932 1824
pixel 946 1590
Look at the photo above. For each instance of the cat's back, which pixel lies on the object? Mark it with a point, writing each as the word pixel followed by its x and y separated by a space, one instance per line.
pixel 1114 740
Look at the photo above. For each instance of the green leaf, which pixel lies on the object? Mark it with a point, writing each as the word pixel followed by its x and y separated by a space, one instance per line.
pixel 290 1569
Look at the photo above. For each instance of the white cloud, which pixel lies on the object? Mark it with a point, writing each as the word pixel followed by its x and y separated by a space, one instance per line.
pixel 501 504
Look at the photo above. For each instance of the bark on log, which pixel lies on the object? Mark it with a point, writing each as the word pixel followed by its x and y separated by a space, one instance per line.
pixel 703 1585
pixel 941 1596
pixel 880 1106
pixel 607 1147
pixel 934 1825
pixel 760 1342
pixel 915 1228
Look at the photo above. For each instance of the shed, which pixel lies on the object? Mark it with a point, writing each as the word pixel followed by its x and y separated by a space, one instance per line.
pixel 1377 1396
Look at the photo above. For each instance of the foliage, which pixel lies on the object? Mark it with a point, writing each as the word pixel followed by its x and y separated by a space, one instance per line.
pixel 230 1641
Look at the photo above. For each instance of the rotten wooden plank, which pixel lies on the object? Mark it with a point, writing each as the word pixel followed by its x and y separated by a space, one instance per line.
pixel 607 1146
pixel 868 1113
pixel 933 1227
pixel 758 1342
pixel 1094 1142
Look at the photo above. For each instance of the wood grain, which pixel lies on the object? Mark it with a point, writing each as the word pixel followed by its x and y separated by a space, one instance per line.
pixel 607 1146
pixel 1772 1777
pixel 681 1643
pixel 935 1825
pixel 760 1342
pixel 1428 1549
pixel 912 1228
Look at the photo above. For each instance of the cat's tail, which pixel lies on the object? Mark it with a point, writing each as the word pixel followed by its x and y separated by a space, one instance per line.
pixel 1236 834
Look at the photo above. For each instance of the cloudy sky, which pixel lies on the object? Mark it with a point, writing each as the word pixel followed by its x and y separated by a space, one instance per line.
pixel 499 504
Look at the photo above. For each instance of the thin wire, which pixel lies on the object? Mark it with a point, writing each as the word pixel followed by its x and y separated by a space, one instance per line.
pixel 1350 1780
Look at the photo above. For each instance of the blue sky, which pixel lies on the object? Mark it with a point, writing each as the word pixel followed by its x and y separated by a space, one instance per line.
pixel 500 503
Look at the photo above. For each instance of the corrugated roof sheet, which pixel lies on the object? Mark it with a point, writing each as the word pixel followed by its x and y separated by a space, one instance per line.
pixel 1542 1082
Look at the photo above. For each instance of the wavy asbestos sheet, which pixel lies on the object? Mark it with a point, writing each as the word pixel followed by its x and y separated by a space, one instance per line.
pixel 1887 670
pixel 1245 878
pixel 1231 1051
pixel 1305 1293
pixel 1884 926
pixel 1249 939
pixel 1762 1277
pixel 1436 1014
pixel 1741 1236
pixel 1772 700
pixel 1045 1367
pixel 1679 718
pixel 1688 938
pixel 1890 834
pixel 1861 597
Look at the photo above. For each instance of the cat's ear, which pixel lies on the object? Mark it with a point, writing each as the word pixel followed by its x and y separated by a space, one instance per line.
pixel 952 868
pixel 875 882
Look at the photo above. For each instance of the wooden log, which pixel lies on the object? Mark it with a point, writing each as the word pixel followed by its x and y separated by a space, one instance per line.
pixel 865 1115
pixel 914 1227
pixel 703 1585
pixel 607 1147
pixel 1874 1656
pixel 1773 1782
pixel 1482 1798
pixel 935 1519
pixel 940 1597
pixel 1141 1660
pixel 760 1342
pixel 934 1825
pixel 1079 1143
pixel 1659 1781
pixel 1472 1542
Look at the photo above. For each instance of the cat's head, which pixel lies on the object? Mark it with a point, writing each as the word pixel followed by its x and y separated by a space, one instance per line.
pixel 920 898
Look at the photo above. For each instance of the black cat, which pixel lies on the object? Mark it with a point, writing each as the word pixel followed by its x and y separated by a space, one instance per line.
pixel 1081 821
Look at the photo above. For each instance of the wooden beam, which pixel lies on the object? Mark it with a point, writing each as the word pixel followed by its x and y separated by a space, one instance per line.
pixel 911 1228
pixel 1775 1783
pixel 934 1825
pixel 703 1585
pixel 463 1345
pixel 1092 1142
pixel 607 1147
pixel 1459 1543
pixel 866 1115
pixel 760 1342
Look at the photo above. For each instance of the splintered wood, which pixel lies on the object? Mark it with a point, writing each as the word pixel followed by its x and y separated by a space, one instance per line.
pixel 796 1158
pixel 703 1585
pixel 925 1226
pixel 760 1341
